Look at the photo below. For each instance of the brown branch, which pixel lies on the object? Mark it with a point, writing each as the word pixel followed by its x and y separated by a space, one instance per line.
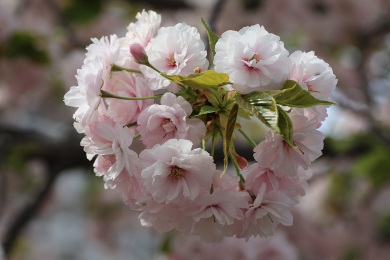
pixel 59 156
pixel 366 40
pixel 27 213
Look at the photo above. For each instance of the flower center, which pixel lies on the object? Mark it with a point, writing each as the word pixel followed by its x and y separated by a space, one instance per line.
pixel 176 173
pixel 171 60
pixel 167 125
pixel 255 57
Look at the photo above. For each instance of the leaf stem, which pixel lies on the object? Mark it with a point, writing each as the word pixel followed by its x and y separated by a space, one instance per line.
pixel 105 94
pixel 203 144
pixel 120 68
pixel 164 74
pixel 250 140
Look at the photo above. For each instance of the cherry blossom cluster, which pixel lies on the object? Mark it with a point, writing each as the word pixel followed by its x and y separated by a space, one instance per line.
pixel 152 113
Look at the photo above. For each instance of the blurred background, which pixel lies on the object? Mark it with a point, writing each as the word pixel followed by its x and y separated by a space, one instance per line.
pixel 53 207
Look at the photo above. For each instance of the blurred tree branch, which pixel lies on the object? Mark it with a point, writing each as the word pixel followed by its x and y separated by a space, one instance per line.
pixel 215 14
pixel 58 155
pixel 366 40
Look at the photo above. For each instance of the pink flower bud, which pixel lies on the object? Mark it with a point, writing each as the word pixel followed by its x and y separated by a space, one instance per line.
pixel 138 52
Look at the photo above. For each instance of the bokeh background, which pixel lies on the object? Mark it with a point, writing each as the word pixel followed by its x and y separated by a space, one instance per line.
pixel 53 207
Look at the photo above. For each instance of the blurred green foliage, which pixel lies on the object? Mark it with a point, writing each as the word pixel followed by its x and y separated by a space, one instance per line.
pixel 28 45
pixel 339 194
pixel 371 157
pixel 375 165
pixel 368 159
pixel 353 253
pixel 383 227
pixel 84 11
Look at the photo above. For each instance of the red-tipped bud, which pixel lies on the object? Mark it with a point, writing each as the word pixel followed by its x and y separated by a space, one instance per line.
pixel 241 161
pixel 138 53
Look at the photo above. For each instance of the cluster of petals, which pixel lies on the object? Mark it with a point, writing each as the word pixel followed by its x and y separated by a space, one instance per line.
pixel 181 56
pixel 170 119
pixel 252 57
pixel 172 183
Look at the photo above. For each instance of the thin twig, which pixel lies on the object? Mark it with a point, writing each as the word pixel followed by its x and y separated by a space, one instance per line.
pixel 215 13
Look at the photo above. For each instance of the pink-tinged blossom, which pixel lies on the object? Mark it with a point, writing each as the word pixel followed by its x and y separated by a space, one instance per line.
pixel 145 28
pixel 93 76
pixel 180 56
pixel 312 74
pixel 106 49
pixel 274 153
pixel 227 181
pixel 268 210
pixel 126 182
pixel 252 57
pixel 172 171
pixel 315 115
pixel 104 137
pixel 257 176
pixel 142 31
pixel 159 123
pixel 218 214
pixel 224 206
pixel 86 96
pixel 127 84
pixel 165 217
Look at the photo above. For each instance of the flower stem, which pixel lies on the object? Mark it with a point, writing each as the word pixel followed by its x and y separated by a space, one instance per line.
pixel 250 141
pixel 137 136
pixel 120 68
pixel 105 94
pixel 171 78
pixel 130 125
pixel 203 144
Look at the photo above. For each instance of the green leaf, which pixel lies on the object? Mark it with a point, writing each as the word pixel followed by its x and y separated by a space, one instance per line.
pixel 208 110
pixel 293 95
pixel 228 134
pixel 213 38
pixel 263 106
pixel 285 127
pixel 206 79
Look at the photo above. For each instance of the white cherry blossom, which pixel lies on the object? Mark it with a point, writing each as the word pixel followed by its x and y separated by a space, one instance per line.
pixel 312 74
pixel 159 123
pixel 172 171
pixel 252 57
pixel 176 50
